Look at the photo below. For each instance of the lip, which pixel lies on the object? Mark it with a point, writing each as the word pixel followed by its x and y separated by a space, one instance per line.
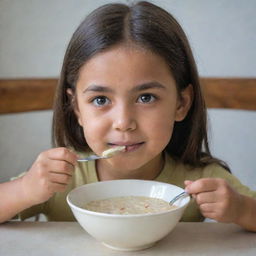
pixel 129 146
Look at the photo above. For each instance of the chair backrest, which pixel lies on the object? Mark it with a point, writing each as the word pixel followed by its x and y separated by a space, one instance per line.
pixel 22 95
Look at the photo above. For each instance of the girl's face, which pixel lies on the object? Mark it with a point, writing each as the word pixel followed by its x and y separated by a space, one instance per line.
pixel 127 96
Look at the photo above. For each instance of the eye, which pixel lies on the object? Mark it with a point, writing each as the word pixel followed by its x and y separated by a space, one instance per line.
pixel 100 101
pixel 146 98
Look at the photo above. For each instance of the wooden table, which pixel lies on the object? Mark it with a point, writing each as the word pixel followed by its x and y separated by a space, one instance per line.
pixel 68 238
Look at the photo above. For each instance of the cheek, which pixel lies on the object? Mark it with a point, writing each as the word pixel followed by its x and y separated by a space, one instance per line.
pixel 160 130
pixel 94 132
pixel 163 132
pixel 92 129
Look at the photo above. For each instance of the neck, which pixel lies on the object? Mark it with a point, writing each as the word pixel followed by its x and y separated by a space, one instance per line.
pixel 149 171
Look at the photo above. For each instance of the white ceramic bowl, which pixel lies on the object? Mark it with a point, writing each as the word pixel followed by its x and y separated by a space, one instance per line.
pixel 126 232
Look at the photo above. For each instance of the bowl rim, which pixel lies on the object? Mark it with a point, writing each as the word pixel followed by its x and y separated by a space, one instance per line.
pixel 111 215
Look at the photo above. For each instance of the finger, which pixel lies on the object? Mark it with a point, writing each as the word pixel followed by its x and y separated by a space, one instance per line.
pixel 209 211
pixel 60 178
pixel 58 187
pixel 59 166
pixel 202 185
pixel 188 182
pixel 208 207
pixel 206 197
pixel 210 215
pixel 62 154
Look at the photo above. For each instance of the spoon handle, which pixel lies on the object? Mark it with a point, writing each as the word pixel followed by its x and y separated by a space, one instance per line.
pixel 90 158
pixel 183 194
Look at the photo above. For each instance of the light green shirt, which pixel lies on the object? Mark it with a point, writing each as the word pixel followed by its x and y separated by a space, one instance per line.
pixel 57 209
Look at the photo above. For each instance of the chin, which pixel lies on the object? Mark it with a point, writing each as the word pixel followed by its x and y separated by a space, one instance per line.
pixel 127 165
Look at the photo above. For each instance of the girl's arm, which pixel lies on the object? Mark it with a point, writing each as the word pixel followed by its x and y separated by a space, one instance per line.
pixel 13 199
pixel 219 201
pixel 247 220
pixel 50 173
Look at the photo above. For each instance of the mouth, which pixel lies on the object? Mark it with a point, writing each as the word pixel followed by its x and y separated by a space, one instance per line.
pixel 129 147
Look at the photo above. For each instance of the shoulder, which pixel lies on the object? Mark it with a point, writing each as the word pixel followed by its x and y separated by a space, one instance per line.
pixel 186 171
pixel 213 170
pixel 217 171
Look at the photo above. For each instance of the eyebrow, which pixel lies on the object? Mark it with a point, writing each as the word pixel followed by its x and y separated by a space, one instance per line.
pixel 138 88
pixel 149 85
pixel 97 88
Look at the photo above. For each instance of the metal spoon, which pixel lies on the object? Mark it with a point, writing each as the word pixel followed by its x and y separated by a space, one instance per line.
pixel 105 154
pixel 183 194
pixel 90 158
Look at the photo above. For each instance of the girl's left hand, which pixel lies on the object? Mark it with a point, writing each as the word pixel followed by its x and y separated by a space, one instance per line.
pixel 216 199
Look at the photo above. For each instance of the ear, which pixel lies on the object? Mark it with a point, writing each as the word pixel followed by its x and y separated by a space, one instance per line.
pixel 72 96
pixel 184 103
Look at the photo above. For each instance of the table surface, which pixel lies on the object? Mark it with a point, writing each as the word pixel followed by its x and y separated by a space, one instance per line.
pixel 68 238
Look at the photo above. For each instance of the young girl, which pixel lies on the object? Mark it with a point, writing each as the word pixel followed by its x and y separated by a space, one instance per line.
pixel 129 79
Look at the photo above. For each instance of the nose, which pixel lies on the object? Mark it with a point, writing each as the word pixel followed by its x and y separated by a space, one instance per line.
pixel 124 119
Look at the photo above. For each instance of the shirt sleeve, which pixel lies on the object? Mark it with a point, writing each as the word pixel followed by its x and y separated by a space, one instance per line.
pixel 31 212
pixel 216 171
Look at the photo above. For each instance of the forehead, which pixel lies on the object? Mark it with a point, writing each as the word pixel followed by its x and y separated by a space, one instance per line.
pixel 125 65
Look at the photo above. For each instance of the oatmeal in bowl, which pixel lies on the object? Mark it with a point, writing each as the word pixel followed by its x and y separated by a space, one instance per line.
pixel 129 205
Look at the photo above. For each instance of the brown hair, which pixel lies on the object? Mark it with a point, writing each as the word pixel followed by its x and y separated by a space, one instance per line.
pixel 153 28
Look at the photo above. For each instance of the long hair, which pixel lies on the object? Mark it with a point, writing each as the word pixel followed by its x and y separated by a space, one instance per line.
pixel 151 27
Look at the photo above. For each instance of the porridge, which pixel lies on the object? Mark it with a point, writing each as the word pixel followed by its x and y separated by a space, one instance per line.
pixel 129 205
pixel 112 151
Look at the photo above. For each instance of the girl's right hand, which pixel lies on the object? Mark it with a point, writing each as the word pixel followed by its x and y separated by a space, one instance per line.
pixel 50 173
